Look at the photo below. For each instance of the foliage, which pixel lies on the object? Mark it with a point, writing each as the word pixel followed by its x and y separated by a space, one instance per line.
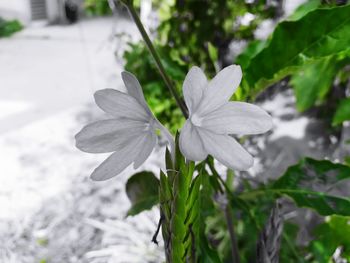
pixel 329 36
pixel 302 182
pixel 314 57
pixel 306 182
pixel 343 112
pixel 9 27
pixel 332 234
pixel 97 7
pixel 142 191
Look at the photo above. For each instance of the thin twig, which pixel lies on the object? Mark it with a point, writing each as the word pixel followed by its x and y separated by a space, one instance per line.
pixel 154 238
pixel 154 54
pixel 228 215
pixel 229 221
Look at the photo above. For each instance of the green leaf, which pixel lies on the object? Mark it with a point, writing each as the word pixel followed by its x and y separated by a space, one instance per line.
pixel 310 171
pixel 343 112
pixel 320 33
pixel 207 254
pixel 252 49
pixel 333 233
pixel 301 182
pixel 313 82
pixel 307 184
pixel 142 190
pixel 213 52
pixel 305 8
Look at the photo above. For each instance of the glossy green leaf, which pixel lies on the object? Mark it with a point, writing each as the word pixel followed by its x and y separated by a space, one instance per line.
pixel 309 172
pixel 252 49
pixel 305 8
pixel 313 81
pixel 307 184
pixel 142 190
pixel 318 34
pixel 302 182
pixel 343 112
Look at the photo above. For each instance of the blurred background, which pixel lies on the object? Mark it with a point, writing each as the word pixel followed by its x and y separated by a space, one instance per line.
pixel 54 54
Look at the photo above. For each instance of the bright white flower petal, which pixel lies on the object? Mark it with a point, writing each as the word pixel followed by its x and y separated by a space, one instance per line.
pixel 120 105
pixel 220 89
pixel 119 160
pixel 237 118
pixel 191 144
pixel 108 135
pixel 193 87
pixel 226 150
pixel 134 89
pixel 147 147
pixel 164 131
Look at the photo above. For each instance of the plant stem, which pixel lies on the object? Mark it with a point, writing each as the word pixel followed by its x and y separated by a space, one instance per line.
pixel 154 54
pixel 228 215
pixel 231 231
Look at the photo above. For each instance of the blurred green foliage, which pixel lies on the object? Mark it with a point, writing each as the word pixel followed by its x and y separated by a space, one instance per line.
pixel 97 7
pixel 9 27
pixel 333 234
pixel 313 58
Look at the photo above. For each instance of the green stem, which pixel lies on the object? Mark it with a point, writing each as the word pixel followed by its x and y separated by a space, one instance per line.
pixel 228 215
pixel 291 246
pixel 154 54
pixel 231 231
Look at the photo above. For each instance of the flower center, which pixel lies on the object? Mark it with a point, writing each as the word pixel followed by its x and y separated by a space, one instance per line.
pixel 196 120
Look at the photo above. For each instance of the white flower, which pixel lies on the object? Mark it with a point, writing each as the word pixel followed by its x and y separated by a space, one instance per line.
pixel 212 119
pixel 130 134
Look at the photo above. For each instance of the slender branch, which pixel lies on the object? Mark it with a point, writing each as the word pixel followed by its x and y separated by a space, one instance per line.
pixel 228 215
pixel 154 238
pixel 231 231
pixel 154 54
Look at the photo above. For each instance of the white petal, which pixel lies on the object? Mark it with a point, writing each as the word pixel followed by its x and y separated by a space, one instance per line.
pixel 226 150
pixel 134 88
pixel 193 87
pixel 237 118
pixel 120 104
pixel 108 135
pixel 191 144
pixel 164 131
pixel 119 160
pixel 147 147
pixel 220 89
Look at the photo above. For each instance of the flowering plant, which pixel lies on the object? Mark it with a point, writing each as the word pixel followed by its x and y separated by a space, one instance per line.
pixel 190 191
